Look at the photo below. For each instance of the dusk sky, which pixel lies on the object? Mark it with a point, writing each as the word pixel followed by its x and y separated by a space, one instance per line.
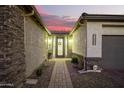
pixel 63 17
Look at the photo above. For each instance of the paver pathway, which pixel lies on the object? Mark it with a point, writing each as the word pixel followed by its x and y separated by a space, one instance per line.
pixel 60 76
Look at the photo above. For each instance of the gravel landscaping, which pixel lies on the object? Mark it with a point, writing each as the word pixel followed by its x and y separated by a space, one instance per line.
pixel 44 79
pixel 105 79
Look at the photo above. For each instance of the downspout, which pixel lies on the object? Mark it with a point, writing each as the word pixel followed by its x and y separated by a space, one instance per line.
pixel 26 15
pixel 85 24
pixel 85 59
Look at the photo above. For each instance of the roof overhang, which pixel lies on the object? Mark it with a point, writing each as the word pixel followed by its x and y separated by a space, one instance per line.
pixel 59 32
pixel 102 17
pixel 36 16
pixel 97 18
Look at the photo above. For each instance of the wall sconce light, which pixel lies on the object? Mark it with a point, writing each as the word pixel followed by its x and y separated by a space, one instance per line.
pixel 70 40
pixel 49 41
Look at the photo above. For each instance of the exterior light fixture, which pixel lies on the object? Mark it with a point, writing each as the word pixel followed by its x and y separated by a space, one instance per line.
pixel 70 40
pixel 49 41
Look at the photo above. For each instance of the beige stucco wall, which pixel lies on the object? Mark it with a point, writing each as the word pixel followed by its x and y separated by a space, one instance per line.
pixel 35 45
pixel 79 41
pixel 113 31
pixel 54 46
pixel 94 28
pixel 69 45
pixel 66 45
pixel 98 29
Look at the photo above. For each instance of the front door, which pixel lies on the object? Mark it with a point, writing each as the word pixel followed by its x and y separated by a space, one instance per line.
pixel 60 47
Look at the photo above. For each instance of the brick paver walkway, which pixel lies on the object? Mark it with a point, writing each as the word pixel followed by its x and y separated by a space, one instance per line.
pixel 60 75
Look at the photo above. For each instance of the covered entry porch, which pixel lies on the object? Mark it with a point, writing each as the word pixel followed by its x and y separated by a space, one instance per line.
pixel 59 46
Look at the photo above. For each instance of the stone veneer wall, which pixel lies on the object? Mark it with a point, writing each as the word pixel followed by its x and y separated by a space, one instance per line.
pixel 12 57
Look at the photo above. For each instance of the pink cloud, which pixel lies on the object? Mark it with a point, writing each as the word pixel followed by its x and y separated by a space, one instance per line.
pixel 69 18
pixel 41 10
pixel 59 28
pixel 50 20
pixel 56 23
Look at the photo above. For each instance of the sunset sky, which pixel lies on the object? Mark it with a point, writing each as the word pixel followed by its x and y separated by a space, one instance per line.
pixel 63 17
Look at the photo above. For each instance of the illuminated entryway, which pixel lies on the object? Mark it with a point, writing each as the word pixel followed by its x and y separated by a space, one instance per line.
pixel 60 47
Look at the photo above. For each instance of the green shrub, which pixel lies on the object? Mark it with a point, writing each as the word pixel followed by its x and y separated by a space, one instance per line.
pixel 39 71
pixel 49 55
pixel 74 60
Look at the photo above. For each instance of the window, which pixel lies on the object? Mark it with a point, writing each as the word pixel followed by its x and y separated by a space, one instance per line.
pixel 94 39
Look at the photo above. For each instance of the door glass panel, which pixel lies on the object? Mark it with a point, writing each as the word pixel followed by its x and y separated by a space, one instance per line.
pixel 60 46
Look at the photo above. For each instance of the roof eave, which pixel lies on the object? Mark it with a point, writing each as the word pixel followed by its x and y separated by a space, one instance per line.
pixel 40 20
pixel 76 25
pixel 98 18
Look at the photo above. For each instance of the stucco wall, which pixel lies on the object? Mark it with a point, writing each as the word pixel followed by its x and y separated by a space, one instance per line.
pixel 94 28
pixel 54 46
pixel 66 46
pixel 79 41
pixel 69 46
pixel 98 29
pixel 113 31
pixel 35 45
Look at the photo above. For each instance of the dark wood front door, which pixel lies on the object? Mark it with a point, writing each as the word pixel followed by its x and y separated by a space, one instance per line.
pixel 60 47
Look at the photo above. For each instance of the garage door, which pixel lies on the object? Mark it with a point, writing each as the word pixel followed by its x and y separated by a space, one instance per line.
pixel 113 52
